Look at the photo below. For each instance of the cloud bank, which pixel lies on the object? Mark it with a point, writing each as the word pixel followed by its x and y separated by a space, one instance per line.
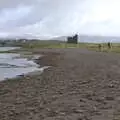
pixel 49 18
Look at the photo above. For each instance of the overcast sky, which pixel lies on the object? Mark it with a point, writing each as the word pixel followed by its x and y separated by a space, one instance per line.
pixel 49 18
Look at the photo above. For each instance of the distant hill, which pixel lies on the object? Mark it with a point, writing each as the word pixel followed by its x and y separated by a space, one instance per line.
pixel 61 38
pixel 82 38
pixel 94 39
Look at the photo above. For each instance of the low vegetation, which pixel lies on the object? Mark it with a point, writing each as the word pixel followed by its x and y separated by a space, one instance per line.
pixel 115 47
pixel 33 44
pixel 89 46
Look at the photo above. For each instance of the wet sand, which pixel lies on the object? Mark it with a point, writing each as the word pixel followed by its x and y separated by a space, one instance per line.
pixel 80 85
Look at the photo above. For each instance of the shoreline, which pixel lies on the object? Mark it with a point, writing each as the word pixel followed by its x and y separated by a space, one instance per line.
pixel 80 85
pixel 76 88
pixel 33 58
pixel 45 61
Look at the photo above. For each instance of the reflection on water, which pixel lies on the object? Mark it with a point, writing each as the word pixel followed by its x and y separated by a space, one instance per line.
pixel 7 61
pixel 8 48
pixel 13 72
pixel 12 65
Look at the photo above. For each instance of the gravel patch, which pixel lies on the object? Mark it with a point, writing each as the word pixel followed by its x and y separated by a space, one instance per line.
pixel 80 85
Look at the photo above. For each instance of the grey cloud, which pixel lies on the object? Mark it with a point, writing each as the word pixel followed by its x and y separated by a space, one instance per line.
pixel 58 10
pixel 14 3
pixel 54 17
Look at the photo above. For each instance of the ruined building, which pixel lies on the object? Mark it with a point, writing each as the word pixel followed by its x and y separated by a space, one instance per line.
pixel 73 39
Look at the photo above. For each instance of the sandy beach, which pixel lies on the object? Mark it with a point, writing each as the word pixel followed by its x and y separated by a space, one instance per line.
pixel 80 85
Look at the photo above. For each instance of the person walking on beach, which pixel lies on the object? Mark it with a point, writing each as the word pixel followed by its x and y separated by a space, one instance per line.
pixel 109 45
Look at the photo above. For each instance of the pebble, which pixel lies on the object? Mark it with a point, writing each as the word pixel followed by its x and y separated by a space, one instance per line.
pixel 109 98
pixel 78 111
pixel 62 113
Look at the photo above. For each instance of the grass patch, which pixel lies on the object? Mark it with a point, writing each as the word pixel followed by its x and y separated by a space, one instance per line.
pixel 31 45
pixel 39 44
pixel 115 47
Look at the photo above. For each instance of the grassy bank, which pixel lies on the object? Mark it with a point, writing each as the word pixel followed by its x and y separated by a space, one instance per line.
pixel 33 45
pixel 90 46
pixel 52 45
pixel 115 47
